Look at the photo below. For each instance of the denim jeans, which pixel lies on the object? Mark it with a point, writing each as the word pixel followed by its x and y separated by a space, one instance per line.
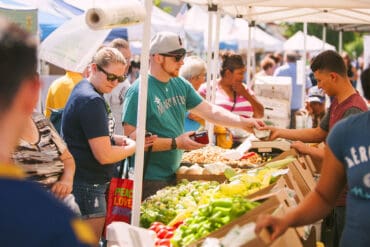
pixel 91 198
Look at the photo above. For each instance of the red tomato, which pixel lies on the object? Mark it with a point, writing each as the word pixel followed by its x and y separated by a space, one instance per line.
pixel 177 224
pixel 170 228
pixel 169 235
pixel 156 226
pixel 164 242
pixel 162 233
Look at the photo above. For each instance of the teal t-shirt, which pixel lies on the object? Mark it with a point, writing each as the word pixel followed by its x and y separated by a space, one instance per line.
pixel 167 104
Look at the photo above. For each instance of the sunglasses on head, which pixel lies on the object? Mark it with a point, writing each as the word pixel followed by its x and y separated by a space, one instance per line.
pixel 112 77
pixel 178 57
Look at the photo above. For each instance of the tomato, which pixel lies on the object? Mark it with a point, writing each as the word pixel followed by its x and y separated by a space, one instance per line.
pixel 169 235
pixel 170 228
pixel 164 242
pixel 156 226
pixel 177 224
pixel 162 233
pixel 248 155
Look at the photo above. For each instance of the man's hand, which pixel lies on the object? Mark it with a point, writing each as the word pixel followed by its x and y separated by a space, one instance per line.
pixel 275 226
pixel 252 123
pixel 186 143
pixel 300 147
pixel 274 132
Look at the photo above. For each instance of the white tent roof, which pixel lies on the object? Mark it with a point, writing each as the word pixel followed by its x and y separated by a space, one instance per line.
pixel 317 11
pixel 296 42
pixel 231 29
pixel 260 39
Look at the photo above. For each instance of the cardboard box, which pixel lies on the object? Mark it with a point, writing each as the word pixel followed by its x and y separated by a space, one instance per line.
pixel 305 173
pixel 276 87
pixel 310 164
pixel 277 108
pixel 272 205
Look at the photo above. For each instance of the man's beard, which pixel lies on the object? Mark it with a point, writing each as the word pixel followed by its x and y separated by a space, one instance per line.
pixel 170 73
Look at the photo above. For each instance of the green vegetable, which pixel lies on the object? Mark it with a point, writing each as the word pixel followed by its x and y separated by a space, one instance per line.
pixel 229 173
pixel 280 163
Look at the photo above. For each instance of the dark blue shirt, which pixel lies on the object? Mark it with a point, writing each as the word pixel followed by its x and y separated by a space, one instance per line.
pixel 87 116
pixel 30 216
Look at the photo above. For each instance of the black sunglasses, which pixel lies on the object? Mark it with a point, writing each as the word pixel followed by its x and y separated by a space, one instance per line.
pixel 112 77
pixel 178 57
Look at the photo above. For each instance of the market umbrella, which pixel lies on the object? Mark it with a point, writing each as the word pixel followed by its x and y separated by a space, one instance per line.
pixel 72 45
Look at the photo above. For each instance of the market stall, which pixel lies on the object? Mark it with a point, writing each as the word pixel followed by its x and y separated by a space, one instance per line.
pixel 222 197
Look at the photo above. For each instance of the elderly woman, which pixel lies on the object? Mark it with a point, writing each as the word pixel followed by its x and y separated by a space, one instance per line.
pixel 194 70
pixel 88 127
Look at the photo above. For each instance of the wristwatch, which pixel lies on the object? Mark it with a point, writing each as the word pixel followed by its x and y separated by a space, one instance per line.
pixel 173 144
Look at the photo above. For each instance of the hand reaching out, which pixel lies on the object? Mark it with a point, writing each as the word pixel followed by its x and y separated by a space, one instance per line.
pixel 185 142
pixel 275 226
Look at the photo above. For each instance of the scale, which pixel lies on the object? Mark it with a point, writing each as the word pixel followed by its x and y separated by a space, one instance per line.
pixel 270 146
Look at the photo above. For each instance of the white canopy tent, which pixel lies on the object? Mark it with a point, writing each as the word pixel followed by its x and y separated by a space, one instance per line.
pixel 296 42
pixel 317 11
pixel 195 21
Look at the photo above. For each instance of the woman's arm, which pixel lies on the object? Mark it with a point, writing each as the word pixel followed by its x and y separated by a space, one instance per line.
pixel 258 109
pixel 220 116
pixel 64 185
pixel 106 153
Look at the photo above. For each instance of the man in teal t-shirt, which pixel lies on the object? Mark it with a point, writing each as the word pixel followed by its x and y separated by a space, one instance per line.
pixel 169 98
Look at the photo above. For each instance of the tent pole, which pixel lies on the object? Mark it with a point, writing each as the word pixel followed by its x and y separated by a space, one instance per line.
pixel 324 36
pixel 210 57
pixel 304 58
pixel 251 24
pixel 141 117
pixel 340 45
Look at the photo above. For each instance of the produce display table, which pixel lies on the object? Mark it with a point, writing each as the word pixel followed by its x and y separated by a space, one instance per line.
pixel 274 185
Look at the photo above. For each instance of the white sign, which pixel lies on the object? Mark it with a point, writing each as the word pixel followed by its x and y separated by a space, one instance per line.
pixel 366 51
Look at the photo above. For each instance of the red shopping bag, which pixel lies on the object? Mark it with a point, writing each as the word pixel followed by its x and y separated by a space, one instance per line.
pixel 119 200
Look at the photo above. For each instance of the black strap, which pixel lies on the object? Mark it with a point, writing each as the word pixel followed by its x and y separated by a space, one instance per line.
pixel 123 169
pixel 234 94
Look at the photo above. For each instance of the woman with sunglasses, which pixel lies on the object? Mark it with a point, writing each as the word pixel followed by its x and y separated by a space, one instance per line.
pixel 88 127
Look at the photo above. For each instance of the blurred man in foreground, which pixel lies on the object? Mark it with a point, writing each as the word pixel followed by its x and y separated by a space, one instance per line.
pixel 29 216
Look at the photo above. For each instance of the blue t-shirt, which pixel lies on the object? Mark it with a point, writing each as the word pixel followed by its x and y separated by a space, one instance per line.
pixel 350 142
pixel 190 124
pixel 30 216
pixel 167 104
pixel 290 70
pixel 87 116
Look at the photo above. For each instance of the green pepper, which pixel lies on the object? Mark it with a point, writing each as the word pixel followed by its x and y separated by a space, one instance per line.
pixel 224 220
pixel 225 203
pixel 223 210
pixel 188 239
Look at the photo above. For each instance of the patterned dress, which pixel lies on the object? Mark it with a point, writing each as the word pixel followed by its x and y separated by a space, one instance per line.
pixel 41 160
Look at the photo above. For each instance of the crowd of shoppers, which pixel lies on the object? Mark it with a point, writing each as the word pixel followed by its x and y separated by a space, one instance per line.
pixel 100 119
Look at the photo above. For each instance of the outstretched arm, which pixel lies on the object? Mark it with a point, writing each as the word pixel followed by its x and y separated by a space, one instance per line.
pixel 220 116
pixel 316 205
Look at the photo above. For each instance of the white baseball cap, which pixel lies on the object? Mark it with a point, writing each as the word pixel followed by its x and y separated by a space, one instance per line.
pixel 166 43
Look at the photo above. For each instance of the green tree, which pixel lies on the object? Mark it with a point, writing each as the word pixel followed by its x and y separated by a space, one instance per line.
pixel 352 41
